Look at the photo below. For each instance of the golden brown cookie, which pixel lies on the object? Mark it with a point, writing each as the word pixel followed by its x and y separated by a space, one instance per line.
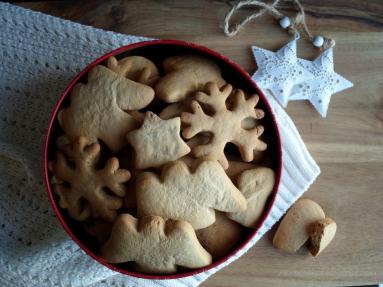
pixel 157 141
pixel 190 195
pixel 98 108
pixel 199 139
pixel 321 233
pixel 175 109
pixel 256 185
pixel 155 245
pixel 84 193
pixel 184 75
pixel 237 167
pixel 220 237
pixel 136 68
pixel 224 124
pixel 293 231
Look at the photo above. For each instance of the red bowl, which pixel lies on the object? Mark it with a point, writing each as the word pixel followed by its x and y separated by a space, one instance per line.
pixel 156 50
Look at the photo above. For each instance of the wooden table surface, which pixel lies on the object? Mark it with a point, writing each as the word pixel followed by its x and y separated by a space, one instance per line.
pixel 348 144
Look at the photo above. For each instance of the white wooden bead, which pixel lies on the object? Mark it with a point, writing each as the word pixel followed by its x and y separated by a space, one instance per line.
pixel 285 22
pixel 318 41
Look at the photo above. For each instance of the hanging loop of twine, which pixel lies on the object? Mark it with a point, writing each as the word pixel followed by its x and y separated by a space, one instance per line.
pixel 298 24
pixel 264 8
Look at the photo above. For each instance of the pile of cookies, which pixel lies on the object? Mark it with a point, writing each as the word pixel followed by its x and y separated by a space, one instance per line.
pixel 142 162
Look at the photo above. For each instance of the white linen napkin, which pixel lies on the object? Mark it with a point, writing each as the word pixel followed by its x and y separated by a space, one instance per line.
pixel 39 55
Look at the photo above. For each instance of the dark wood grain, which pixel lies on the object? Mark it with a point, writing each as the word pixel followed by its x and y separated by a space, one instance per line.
pixel 368 14
pixel 348 145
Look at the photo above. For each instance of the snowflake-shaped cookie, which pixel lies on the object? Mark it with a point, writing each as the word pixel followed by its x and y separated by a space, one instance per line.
pixel 84 192
pixel 225 124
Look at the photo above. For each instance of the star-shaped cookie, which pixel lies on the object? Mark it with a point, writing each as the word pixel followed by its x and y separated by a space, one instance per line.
pixel 279 71
pixel 98 108
pixel 157 141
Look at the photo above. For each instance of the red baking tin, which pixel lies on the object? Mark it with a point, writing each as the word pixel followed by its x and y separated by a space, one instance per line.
pixel 155 50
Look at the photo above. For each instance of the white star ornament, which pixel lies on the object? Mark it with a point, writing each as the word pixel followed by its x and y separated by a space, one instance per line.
pixel 319 89
pixel 279 71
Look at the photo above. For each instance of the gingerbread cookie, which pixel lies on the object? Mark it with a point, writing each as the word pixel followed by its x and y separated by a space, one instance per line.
pixel 136 68
pixel 295 227
pixel 155 245
pixel 175 110
pixel 225 125
pixel 256 185
pixel 188 195
pixel 199 139
pixel 321 233
pixel 237 167
pixel 220 237
pixel 98 108
pixel 86 195
pixel 184 75
pixel 157 141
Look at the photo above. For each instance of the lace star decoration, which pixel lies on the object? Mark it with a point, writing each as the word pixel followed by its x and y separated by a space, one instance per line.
pixel 301 79
pixel 326 82
pixel 279 71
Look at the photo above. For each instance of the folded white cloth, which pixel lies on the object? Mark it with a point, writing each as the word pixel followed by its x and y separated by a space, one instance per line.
pixel 40 54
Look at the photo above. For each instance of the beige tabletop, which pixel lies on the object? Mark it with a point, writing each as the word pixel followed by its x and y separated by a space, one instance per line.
pixel 348 144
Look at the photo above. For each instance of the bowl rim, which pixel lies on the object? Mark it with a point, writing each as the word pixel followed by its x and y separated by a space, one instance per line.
pixel 52 119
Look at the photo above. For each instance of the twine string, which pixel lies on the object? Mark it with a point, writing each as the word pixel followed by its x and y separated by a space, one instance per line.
pixel 264 8
pixel 298 24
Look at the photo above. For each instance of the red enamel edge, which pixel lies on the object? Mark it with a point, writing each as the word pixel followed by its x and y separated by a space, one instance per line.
pixel 53 118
